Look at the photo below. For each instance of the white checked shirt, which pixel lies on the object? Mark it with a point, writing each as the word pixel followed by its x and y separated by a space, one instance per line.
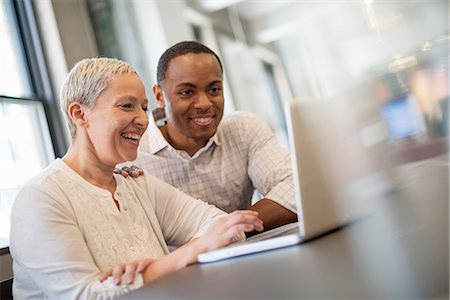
pixel 242 156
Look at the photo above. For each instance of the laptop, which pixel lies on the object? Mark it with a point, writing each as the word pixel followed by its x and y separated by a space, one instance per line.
pixel 335 178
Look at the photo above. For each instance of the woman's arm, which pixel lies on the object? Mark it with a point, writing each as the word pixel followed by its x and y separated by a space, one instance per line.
pixel 49 249
pixel 221 233
pixel 180 216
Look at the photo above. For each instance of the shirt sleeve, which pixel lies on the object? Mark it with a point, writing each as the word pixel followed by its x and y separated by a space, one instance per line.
pixel 181 216
pixel 269 164
pixel 49 248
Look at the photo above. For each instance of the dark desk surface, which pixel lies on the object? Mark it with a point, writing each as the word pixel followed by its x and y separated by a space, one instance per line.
pixel 400 252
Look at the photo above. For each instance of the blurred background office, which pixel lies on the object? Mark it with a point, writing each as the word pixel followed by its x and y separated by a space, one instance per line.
pixel 386 59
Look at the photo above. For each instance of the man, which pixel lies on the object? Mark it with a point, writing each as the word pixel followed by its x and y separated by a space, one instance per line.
pixel 219 161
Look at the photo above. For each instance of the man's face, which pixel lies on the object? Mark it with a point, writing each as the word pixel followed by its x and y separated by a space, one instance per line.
pixel 192 97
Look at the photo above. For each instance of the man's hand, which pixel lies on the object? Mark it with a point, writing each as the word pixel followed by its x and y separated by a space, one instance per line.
pixel 272 214
pixel 133 171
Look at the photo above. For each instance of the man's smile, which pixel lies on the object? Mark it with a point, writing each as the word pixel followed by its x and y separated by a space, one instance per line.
pixel 202 121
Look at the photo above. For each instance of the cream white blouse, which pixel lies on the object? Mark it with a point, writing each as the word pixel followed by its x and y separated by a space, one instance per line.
pixel 65 231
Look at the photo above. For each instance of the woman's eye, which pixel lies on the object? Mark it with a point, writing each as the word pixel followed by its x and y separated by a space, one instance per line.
pixel 127 106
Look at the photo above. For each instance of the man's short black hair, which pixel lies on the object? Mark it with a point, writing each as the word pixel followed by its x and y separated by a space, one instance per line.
pixel 179 49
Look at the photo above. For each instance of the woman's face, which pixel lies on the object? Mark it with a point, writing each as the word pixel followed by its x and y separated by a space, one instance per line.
pixel 118 120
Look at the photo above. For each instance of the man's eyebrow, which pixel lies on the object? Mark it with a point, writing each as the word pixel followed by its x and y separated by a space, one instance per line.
pixel 189 84
pixel 186 84
pixel 215 82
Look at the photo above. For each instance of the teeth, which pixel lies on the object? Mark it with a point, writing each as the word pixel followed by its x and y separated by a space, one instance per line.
pixel 202 120
pixel 131 136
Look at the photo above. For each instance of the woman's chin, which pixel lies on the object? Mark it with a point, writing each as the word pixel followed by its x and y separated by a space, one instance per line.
pixel 130 157
pixel 123 157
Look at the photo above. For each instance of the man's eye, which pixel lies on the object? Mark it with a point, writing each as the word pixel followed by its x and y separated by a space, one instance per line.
pixel 215 90
pixel 145 108
pixel 186 93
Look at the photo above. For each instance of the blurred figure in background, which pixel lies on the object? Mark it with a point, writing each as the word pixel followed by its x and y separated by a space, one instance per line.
pixel 414 102
pixel 430 85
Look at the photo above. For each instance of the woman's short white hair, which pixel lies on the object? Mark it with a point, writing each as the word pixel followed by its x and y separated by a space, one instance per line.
pixel 87 80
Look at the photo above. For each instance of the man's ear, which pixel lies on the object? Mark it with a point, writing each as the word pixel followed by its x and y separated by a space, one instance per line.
pixel 157 91
pixel 77 113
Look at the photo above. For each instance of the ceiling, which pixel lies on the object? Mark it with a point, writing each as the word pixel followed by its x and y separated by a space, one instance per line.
pixel 248 9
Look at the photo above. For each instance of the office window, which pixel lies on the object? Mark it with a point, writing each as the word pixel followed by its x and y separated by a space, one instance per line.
pixel 26 143
pixel 14 82
pixel 25 149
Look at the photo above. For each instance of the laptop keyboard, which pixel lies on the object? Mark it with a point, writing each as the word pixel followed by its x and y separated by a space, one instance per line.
pixel 279 231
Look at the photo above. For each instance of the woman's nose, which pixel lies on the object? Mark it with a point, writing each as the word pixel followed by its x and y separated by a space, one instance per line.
pixel 142 118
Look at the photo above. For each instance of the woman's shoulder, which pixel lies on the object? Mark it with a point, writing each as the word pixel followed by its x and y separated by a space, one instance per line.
pixel 53 181
pixel 133 183
pixel 45 178
pixel 42 190
pixel 143 185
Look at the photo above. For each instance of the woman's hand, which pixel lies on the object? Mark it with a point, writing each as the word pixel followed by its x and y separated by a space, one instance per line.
pixel 225 229
pixel 129 270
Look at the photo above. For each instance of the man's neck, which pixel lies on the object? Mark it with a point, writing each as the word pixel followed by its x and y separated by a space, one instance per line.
pixel 189 145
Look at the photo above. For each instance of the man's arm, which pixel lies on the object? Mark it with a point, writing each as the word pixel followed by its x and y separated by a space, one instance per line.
pixel 272 214
pixel 269 169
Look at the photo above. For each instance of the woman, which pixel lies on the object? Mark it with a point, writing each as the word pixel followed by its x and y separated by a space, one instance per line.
pixel 78 231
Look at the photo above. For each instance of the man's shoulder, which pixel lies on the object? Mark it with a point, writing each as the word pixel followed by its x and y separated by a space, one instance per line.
pixel 240 115
pixel 241 128
pixel 240 120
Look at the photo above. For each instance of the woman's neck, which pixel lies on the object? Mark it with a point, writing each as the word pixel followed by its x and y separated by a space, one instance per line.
pixel 88 166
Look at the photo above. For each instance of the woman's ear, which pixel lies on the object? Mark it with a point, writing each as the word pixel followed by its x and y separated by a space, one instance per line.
pixel 77 113
pixel 157 91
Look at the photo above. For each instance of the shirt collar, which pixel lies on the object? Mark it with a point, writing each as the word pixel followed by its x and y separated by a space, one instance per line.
pixel 155 139
pixel 215 138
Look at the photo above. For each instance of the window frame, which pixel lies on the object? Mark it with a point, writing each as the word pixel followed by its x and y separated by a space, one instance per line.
pixel 29 40
pixel 38 71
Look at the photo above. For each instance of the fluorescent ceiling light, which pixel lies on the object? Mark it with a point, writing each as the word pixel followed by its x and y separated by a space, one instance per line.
pixel 215 5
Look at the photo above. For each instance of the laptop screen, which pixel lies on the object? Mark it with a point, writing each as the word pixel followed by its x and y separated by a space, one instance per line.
pixel 337 176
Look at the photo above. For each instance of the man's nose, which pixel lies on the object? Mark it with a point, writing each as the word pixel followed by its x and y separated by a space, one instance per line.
pixel 203 101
